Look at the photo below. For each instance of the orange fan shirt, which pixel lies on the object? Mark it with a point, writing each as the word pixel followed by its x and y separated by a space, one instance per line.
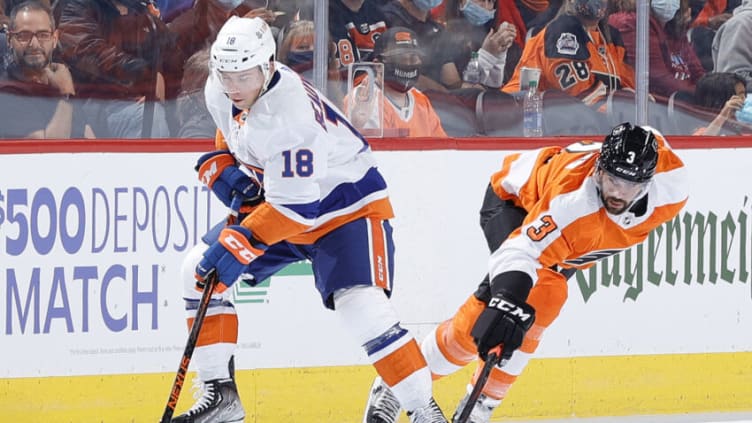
pixel 417 119
pixel 579 62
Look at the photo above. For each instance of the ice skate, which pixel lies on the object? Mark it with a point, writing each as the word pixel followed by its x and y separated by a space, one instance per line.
pixel 383 406
pixel 482 411
pixel 217 402
pixel 431 413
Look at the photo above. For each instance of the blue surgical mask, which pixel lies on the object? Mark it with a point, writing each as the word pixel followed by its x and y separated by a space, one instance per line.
pixel 426 4
pixel 745 113
pixel 664 9
pixel 477 15
pixel 297 58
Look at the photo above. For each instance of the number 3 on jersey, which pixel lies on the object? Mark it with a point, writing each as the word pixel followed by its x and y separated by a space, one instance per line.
pixel 298 163
pixel 546 226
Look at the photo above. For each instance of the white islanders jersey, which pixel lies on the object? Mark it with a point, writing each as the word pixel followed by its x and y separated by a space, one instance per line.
pixel 317 171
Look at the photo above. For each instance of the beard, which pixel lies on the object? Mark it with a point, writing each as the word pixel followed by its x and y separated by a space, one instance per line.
pixel 35 59
pixel 615 205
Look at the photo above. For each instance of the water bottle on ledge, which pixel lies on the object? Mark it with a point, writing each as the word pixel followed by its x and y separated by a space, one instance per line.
pixel 471 75
pixel 532 108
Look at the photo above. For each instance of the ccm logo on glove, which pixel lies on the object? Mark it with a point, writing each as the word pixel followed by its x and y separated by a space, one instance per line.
pixel 208 175
pixel 238 245
pixel 211 165
pixel 512 309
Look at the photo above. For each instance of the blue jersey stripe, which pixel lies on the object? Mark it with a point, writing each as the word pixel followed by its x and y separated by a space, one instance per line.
pixel 387 338
pixel 347 194
pixel 342 196
pixel 306 211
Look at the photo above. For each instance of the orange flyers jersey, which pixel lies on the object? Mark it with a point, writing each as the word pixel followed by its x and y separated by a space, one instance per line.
pixel 418 118
pixel 355 33
pixel 575 61
pixel 566 224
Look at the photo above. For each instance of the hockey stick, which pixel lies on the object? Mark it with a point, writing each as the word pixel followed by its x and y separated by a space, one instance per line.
pixel 492 360
pixel 198 321
pixel 190 345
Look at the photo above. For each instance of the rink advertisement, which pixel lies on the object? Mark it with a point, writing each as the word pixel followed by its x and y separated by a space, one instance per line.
pixel 91 247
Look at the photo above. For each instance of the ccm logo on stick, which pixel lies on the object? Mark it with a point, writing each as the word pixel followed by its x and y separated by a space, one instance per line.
pixel 509 308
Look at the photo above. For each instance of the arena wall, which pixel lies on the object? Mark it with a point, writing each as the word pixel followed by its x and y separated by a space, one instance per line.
pixel 92 234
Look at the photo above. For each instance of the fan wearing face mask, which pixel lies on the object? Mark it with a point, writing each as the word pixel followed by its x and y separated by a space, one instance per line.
pixel 673 63
pixel 439 71
pixel 578 53
pixel 407 111
pixel 475 27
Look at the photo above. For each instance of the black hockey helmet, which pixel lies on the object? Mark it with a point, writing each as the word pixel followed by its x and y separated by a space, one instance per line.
pixel 630 152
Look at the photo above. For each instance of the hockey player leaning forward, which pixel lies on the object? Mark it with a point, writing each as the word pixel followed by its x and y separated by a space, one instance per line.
pixel 324 201
pixel 547 213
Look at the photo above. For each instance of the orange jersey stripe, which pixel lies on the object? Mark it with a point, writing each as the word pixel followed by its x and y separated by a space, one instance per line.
pixel 270 226
pixel 453 336
pixel 219 141
pixel 379 210
pixel 401 363
pixel 498 383
pixel 219 328
pixel 378 246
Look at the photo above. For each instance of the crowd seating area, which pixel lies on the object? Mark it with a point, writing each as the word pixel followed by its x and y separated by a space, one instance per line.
pixel 136 68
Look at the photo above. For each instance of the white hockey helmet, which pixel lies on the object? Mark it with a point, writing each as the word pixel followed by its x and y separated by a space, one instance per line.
pixel 242 44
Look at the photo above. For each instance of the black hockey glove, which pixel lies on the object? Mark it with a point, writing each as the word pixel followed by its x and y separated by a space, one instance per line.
pixel 504 322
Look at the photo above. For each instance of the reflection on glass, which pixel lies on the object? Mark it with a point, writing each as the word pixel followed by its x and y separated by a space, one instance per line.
pixel 365 100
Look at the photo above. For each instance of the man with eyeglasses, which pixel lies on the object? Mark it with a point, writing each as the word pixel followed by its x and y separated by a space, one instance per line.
pixel 33 80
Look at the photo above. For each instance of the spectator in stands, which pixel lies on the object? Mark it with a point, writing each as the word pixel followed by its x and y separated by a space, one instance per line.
pixel 723 93
pixel 701 39
pixel 119 52
pixel 193 116
pixel 354 26
pixel 438 71
pixel 406 110
pixel 672 61
pixel 296 48
pixel 197 27
pixel 474 27
pixel 577 53
pixel 707 17
pixel 732 45
pixel 712 13
pixel 35 90
pixel 5 8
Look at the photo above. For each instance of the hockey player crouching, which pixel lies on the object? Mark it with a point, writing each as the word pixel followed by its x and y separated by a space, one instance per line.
pixel 547 213
pixel 325 201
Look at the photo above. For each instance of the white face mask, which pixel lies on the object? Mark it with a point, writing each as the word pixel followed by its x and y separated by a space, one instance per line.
pixel 664 9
